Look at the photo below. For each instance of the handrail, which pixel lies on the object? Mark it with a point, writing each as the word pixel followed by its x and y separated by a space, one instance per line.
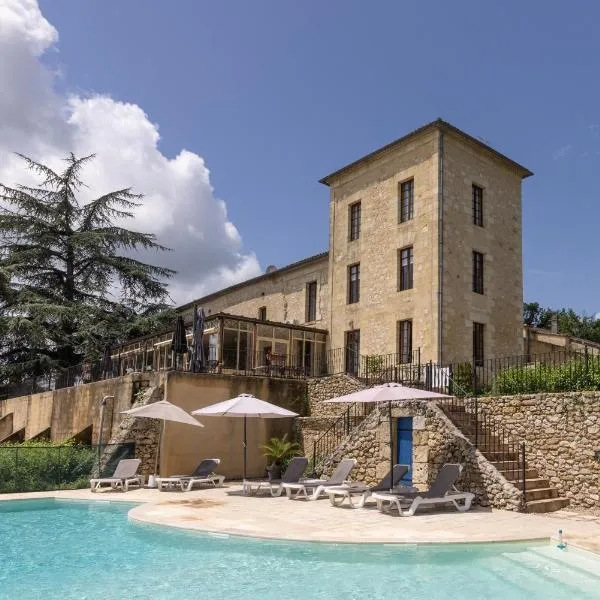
pixel 330 439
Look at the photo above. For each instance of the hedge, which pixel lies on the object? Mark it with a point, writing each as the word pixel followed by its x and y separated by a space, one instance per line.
pixel 570 376
pixel 40 466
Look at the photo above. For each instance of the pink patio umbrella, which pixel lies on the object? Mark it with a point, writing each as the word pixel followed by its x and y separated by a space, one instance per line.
pixel 387 392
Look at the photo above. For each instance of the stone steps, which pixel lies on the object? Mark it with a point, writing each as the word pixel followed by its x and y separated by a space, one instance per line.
pixel 547 505
pixel 539 496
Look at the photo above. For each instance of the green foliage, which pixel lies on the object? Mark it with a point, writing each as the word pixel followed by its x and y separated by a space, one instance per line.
pixel 462 379
pixel 536 316
pixel 569 322
pixel 570 376
pixel 39 466
pixel 61 261
pixel 279 451
pixel 374 364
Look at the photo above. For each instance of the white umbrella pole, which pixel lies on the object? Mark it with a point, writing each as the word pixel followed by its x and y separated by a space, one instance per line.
pixel 391 449
pixel 245 446
pixel 160 435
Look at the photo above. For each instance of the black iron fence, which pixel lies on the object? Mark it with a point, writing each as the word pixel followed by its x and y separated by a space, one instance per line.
pixel 56 379
pixel 45 467
pixel 564 371
pixel 561 371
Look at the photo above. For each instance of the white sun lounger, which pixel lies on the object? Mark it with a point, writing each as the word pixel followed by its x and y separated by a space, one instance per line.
pixel 442 491
pixel 125 475
pixel 292 474
pixel 349 491
pixel 203 474
pixel 311 489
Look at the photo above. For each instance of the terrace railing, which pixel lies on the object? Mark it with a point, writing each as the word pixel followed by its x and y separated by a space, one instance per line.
pixel 341 427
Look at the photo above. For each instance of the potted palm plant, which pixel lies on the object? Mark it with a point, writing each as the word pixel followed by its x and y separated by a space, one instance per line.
pixel 279 451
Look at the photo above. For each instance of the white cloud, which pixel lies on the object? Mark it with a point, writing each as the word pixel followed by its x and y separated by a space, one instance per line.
pixel 179 205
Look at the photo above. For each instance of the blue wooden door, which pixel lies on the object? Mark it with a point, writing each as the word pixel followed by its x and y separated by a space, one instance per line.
pixel 405 446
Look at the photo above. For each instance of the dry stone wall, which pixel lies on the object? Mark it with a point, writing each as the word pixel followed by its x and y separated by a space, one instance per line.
pixel 561 433
pixel 144 432
pixel 321 416
pixel 435 441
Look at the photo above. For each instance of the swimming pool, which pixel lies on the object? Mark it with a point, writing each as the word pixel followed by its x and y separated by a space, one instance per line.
pixel 64 549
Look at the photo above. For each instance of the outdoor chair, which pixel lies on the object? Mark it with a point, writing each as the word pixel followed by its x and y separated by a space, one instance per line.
pixel 125 475
pixel 203 474
pixel 349 491
pixel 311 489
pixel 442 491
pixel 292 474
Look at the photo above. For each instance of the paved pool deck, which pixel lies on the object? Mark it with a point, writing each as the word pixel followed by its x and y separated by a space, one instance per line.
pixel 226 511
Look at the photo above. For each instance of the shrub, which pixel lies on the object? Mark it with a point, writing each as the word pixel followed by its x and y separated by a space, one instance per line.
pixel 570 376
pixel 462 379
pixel 40 466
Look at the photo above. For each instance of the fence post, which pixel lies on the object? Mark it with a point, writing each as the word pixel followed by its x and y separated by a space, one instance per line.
pixel 523 479
pixel 17 478
pixel 476 423
pixel 60 469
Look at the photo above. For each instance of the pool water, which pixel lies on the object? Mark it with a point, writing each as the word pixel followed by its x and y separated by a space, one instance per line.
pixel 61 549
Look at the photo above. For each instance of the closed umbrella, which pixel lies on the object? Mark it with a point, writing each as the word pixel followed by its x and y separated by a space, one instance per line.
pixel 197 363
pixel 387 392
pixel 179 341
pixel 245 405
pixel 165 411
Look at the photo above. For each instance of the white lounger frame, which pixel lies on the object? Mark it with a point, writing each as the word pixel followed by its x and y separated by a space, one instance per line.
pixel 187 483
pixel 116 483
pixel 253 487
pixel 338 494
pixel 454 497
pixel 307 489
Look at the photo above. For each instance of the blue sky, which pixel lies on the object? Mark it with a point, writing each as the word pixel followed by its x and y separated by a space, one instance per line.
pixel 274 95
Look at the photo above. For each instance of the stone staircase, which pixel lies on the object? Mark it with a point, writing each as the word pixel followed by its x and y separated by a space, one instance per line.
pixel 506 455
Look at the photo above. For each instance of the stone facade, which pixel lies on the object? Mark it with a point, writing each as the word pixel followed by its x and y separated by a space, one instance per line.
pixel 562 434
pixel 444 164
pixel 375 184
pixel 283 292
pixel 435 441
pixel 500 307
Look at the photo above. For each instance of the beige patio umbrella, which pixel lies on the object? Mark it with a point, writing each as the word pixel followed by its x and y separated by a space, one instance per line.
pixel 165 411
pixel 245 405
pixel 387 392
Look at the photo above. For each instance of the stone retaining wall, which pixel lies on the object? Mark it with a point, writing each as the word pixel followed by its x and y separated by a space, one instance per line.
pixel 561 433
pixel 144 432
pixel 435 441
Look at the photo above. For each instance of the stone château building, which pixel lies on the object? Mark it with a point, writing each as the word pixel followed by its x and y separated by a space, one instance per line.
pixel 424 259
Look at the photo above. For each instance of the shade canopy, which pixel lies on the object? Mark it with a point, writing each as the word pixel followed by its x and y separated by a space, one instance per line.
pixel 165 411
pixel 245 405
pixel 387 392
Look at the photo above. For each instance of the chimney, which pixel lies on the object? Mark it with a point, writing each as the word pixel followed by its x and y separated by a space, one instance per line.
pixel 554 323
